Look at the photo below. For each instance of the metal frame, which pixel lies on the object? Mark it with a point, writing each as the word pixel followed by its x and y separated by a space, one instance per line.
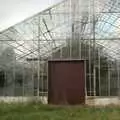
pixel 65 32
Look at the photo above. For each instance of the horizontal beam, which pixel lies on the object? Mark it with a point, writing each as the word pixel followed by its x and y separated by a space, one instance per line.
pixel 65 39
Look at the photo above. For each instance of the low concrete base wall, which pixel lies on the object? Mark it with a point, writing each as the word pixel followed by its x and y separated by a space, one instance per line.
pixel 92 101
pixel 102 101
pixel 23 99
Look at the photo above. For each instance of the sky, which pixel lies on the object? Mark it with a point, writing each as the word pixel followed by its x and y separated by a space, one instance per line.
pixel 14 11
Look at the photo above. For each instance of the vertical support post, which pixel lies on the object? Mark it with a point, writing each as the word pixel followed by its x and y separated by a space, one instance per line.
pixel 89 51
pixel 94 47
pixel 70 44
pixel 42 80
pixel 109 71
pixel 99 73
pixel 23 81
pixel 61 52
pixel 33 63
pixel 80 56
pixel 90 73
pixel 32 78
pixel 85 79
pixel 118 78
pixel 73 5
pixel 5 89
pixel 94 81
pixel 38 83
pixel 14 75
pixel 61 47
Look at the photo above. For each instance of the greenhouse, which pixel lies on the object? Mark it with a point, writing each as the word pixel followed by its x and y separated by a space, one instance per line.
pixel 86 30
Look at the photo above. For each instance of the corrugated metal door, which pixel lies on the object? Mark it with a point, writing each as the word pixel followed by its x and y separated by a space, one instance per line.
pixel 66 82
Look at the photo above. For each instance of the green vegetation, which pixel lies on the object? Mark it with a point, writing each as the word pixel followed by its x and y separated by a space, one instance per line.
pixel 45 112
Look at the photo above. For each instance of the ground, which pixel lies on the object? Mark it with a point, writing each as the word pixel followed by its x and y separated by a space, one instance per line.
pixel 34 111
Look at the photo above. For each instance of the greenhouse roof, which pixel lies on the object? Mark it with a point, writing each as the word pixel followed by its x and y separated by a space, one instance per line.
pixel 48 30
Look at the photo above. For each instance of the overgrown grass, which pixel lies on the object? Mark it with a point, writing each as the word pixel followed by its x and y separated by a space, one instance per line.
pixel 47 112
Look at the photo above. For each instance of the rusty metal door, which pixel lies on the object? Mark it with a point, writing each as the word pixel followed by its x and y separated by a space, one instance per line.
pixel 66 82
